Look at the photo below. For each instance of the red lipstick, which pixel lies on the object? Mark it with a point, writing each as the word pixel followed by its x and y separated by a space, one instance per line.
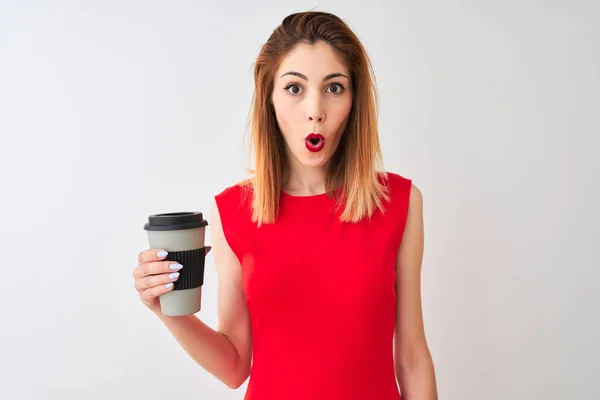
pixel 315 142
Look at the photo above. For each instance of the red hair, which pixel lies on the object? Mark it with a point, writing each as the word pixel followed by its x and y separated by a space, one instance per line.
pixel 357 163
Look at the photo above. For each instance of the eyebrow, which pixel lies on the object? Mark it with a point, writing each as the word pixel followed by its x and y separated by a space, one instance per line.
pixel 328 77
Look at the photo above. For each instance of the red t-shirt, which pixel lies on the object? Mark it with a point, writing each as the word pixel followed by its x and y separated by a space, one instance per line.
pixel 321 295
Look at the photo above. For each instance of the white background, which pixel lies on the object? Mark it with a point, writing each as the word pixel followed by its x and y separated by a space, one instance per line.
pixel 111 111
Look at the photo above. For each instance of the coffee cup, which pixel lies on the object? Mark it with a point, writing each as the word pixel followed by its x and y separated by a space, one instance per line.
pixel 182 235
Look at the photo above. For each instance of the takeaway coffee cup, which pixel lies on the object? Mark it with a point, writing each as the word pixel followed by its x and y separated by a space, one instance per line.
pixel 182 235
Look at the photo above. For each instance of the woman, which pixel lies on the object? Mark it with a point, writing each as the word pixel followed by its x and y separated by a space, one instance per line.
pixel 319 253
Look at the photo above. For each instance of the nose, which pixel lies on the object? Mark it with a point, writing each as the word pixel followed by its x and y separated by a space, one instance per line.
pixel 315 110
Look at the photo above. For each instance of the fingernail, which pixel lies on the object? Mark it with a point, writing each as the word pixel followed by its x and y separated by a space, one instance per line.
pixel 168 285
pixel 162 254
pixel 176 266
pixel 174 275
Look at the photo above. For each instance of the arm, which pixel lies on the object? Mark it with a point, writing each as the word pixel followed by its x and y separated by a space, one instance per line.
pixel 225 353
pixel 414 365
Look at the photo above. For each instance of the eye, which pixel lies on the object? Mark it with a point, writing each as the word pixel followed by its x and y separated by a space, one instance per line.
pixel 293 89
pixel 334 88
pixel 339 88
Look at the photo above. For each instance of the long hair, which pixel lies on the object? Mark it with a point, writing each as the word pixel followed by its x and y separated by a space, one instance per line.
pixel 357 163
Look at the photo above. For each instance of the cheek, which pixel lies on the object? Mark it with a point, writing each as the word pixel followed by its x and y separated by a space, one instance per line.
pixel 284 112
pixel 341 113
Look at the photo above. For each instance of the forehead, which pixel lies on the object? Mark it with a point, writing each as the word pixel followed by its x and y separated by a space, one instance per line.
pixel 316 60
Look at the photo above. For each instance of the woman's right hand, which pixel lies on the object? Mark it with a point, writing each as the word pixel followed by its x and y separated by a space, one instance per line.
pixel 154 276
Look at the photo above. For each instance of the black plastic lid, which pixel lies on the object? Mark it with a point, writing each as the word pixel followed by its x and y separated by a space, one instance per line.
pixel 175 221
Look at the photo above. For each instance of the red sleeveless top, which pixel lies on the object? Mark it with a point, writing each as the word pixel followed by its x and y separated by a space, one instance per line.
pixel 321 295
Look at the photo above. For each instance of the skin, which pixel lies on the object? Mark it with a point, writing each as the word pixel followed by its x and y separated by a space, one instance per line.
pixel 306 100
pixel 414 365
pixel 312 93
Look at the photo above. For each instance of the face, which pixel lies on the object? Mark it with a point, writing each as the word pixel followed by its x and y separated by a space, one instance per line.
pixel 312 98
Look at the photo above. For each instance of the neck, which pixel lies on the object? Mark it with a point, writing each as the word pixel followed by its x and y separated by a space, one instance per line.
pixel 305 181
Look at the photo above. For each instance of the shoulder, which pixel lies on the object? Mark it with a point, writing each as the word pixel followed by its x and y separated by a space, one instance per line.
pixel 234 201
pixel 237 193
pixel 231 214
pixel 400 187
pixel 405 199
pixel 232 209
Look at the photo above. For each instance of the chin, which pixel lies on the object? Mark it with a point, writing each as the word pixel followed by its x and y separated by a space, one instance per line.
pixel 313 160
pixel 314 163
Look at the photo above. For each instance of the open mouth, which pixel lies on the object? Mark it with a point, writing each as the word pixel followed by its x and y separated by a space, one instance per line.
pixel 315 142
